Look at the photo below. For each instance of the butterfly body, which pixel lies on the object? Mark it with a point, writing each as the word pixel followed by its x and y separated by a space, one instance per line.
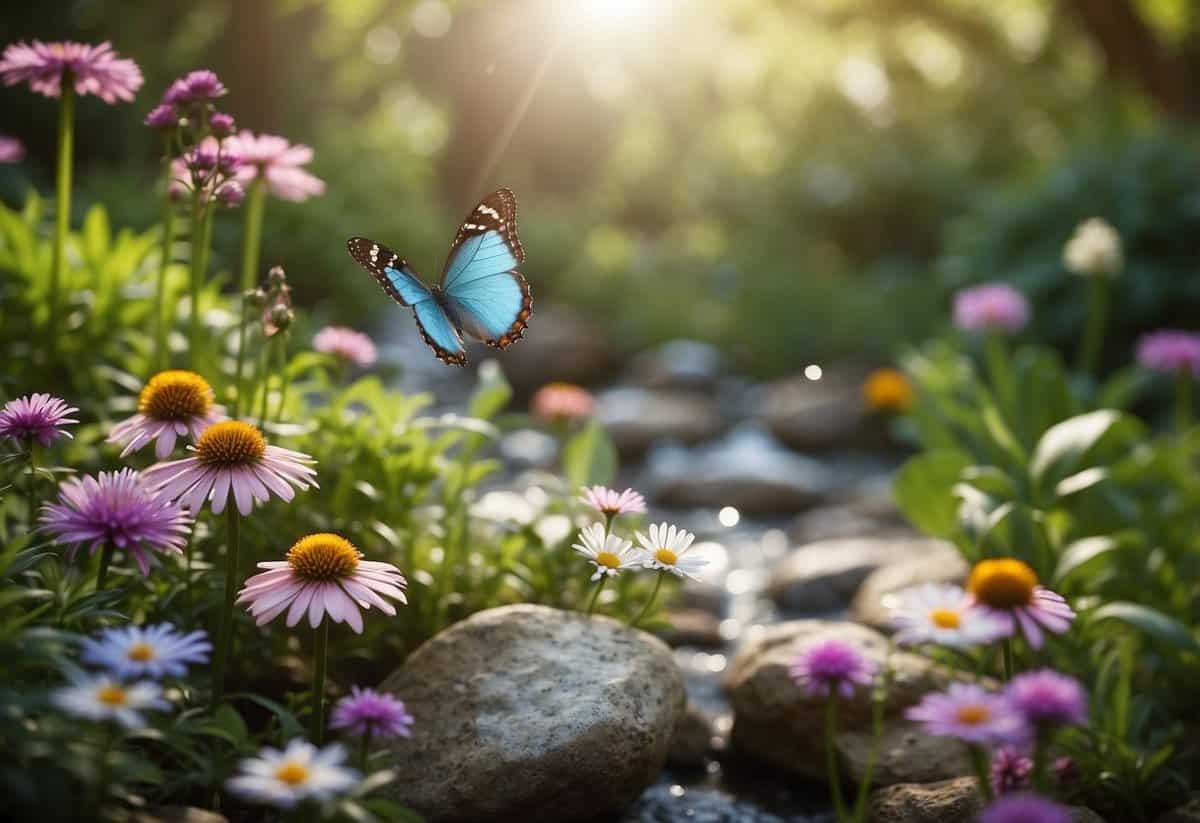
pixel 480 294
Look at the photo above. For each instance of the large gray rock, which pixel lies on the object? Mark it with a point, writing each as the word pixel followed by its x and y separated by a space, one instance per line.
pixel 526 708
pixel 747 470
pixel 677 364
pixel 906 755
pixel 562 345
pixel 825 576
pixel 855 518
pixel 877 595
pixel 776 722
pixel 637 418
pixel 693 740
pixel 813 415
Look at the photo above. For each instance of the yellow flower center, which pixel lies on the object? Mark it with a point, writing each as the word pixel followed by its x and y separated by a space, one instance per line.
pixel 292 774
pixel 666 556
pixel 175 395
pixel 1002 584
pixel 945 618
pixel 141 652
pixel 112 696
pixel 231 443
pixel 608 559
pixel 323 557
pixel 973 715
pixel 887 390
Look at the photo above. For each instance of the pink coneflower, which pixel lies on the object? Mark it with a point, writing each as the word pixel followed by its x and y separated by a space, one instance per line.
pixel 1009 590
pixel 562 401
pixel 323 573
pixel 12 150
pixel 172 404
pixel 366 712
pixel 279 163
pixel 94 70
pixel 346 344
pixel 1170 352
pixel 232 459
pixel 116 509
pixel 1048 698
pixel 199 86
pixel 832 666
pixel 610 502
pixel 1025 808
pixel 1010 770
pixel 991 307
pixel 969 713
pixel 38 417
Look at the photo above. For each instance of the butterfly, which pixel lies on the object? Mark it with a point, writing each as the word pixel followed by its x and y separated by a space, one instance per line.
pixel 480 292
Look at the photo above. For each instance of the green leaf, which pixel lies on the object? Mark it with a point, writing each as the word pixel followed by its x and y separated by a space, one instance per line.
pixel 924 490
pixel 1080 481
pixel 590 457
pixel 492 394
pixel 1081 552
pixel 1068 440
pixel 1150 622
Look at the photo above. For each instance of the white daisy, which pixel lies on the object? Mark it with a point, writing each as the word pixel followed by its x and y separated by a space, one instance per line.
pixel 299 772
pixel 102 697
pixel 666 549
pixel 609 555
pixel 149 651
pixel 943 614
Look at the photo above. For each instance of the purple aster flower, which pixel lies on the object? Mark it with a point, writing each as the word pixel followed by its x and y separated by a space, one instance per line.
pixel 1025 808
pixel 197 86
pixel 221 123
pixel 1170 352
pixel 146 651
pixel 1010 770
pixel 176 93
pixel 201 158
pixel 12 150
pixel 1048 698
pixel 991 307
pixel 368 712
pixel 346 344
pixel 832 665
pixel 94 70
pixel 231 194
pixel 970 713
pixel 36 417
pixel 279 163
pixel 229 162
pixel 162 117
pixel 116 509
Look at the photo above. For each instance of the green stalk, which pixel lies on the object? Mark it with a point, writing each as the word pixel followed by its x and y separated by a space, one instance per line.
pixel 878 699
pixel 283 378
pixel 831 769
pixel 197 276
pixel 1183 400
pixel 264 371
pixel 33 498
pixel 105 559
pixel 62 216
pixel 1007 651
pixel 225 632
pixel 160 321
pixel 239 384
pixel 320 659
pixel 1040 751
pixel 979 759
pixel 364 751
pixel 596 594
pixel 1093 331
pixel 252 231
pixel 654 594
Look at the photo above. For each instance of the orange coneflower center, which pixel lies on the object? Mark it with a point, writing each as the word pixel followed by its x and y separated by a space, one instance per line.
pixel 292 774
pixel 1002 584
pixel 323 557
pixel 608 559
pixel 666 556
pixel 232 443
pixel 945 618
pixel 887 390
pixel 175 395
pixel 973 714
pixel 141 652
pixel 112 696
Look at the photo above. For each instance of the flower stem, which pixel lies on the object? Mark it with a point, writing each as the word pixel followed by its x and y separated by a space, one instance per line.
pixel 1183 400
pixel 1093 331
pixel 225 632
pixel 364 751
pixel 197 275
pixel 1040 750
pixel 649 603
pixel 164 261
pixel 62 216
pixel 282 363
pixel 320 655
pixel 105 559
pixel 596 594
pixel 1006 652
pixel 252 231
pixel 878 700
pixel 33 497
pixel 831 769
pixel 979 759
pixel 264 374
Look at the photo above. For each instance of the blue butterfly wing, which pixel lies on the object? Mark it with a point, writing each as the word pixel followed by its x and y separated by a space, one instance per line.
pixel 489 298
pixel 440 332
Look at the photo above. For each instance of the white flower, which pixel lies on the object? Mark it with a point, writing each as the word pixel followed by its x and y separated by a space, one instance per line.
pixel 150 651
pixel 1094 250
pixel 945 615
pixel 299 772
pixel 666 549
pixel 609 555
pixel 102 697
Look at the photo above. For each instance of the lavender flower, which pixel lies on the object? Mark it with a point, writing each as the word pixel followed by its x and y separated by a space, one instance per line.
pixel 832 666
pixel 162 118
pixel 991 307
pixel 1047 698
pixel 198 86
pixel 1170 352
pixel 1010 770
pixel 94 70
pixel 970 713
pixel 150 651
pixel 221 123
pixel 367 712
pixel 38 417
pixel 1025 808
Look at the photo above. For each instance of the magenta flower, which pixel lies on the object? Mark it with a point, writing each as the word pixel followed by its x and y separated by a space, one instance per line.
pixel 232 460
pixel 829 666
pixel 231 194
pixel 1025 808
pixel 1010 770
pixel 94 70
pixel 345 344
pixel 12 150
pixel 198 86
pixel 117 509
pixel 1048 698
pixel 610 502
pixel 366 712
pixel 172 404
pixel 279 163
pixel 1008 589
pixel 969 713
pixel 1170 352
pixel 991 307
pixel 323 573
pixel 38 417
pixel 221 123
pixel 162 118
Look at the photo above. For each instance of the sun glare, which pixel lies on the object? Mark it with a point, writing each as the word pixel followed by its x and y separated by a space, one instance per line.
pixel 619 12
